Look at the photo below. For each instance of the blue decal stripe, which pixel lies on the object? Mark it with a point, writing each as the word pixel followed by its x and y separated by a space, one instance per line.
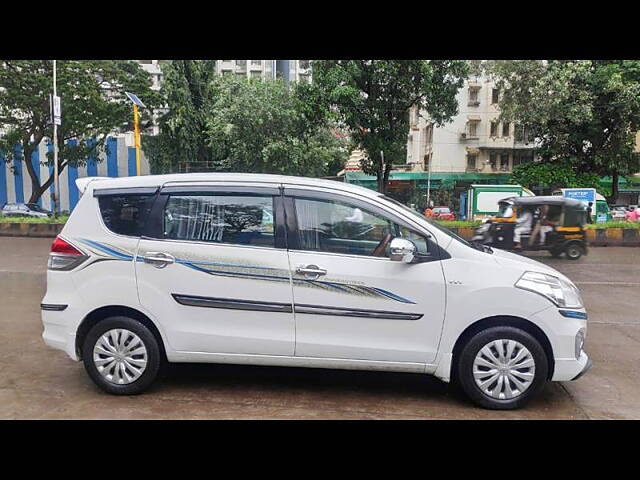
pixel 256 276
pixel 108 250
pixel 218 264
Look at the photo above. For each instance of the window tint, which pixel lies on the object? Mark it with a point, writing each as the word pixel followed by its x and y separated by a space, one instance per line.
pixel 125 214
pixel 236 219
pixel 331 226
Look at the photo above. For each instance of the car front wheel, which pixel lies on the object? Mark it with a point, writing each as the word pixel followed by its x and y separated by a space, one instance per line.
pixel 121 356
pixel 502 368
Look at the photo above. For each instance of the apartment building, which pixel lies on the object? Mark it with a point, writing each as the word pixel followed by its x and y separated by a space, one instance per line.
pixel 475 142
pixel 289 70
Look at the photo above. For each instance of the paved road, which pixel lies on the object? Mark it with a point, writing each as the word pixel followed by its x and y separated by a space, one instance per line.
pixel 39 382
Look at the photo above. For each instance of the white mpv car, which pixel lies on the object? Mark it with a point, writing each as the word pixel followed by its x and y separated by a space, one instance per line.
pixel 290 271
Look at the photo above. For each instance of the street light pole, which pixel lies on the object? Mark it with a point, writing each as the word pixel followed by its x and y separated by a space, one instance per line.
pixel 56 188
pixel 136 134
pixel 136 126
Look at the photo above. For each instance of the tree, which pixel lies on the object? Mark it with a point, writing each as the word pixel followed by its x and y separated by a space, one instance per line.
pixel 583 111
pixel 93 106
pixel 556 174
pixel 183 142
pixel 269 127
pixel 373 99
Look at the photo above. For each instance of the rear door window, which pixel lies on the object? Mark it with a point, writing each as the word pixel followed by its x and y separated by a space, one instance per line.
pixel 126 214
pixel 221 218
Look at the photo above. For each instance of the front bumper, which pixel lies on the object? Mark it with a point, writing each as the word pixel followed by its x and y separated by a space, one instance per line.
pixel 570 361
pixel 586 368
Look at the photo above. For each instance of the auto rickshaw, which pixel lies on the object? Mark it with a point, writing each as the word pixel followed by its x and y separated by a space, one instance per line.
pixel 556 224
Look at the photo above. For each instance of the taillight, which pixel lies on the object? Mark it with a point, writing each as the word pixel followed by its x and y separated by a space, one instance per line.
pixel 64 256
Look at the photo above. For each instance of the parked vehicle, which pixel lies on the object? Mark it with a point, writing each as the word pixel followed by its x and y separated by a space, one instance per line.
pixel 291 271
pixel 443 213
pixel 25 210
pixel 618 213
pixel 600 212
pixel 482 200
pixel 557 226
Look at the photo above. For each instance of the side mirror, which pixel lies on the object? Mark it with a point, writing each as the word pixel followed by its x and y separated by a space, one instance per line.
pixel 402 250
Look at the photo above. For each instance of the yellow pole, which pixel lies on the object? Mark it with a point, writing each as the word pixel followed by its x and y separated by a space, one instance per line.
pixel 136 133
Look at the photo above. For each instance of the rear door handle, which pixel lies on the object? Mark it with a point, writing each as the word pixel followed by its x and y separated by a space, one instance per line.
pixel 158 259
pixel 310 271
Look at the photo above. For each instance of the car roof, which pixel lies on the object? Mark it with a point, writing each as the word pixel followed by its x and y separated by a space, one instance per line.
pixel 161 180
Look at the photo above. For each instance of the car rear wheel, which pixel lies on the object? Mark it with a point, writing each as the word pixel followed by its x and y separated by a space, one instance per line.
pixel 121 356
pixel 502 368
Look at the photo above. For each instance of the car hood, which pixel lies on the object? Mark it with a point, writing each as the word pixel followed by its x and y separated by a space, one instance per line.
pixel 505 258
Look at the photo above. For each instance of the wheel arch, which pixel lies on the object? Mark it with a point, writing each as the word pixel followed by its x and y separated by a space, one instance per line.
pixel 503 321
pixel 102 313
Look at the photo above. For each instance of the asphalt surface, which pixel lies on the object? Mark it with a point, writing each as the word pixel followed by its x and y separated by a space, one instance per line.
pixel 39 382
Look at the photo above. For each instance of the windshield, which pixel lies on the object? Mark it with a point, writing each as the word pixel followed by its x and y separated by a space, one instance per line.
pixel 422 217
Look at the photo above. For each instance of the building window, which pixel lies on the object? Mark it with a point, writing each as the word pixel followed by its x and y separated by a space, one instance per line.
pixel 505 129
pixel 493 160
pixel 494 129
pixel 256 62
pixel 241 63
pixel 427 160
pixel 473 128
pixel 473 96
pixel 504 162
pixel 495 96
pixel 226 72
pixel 472 161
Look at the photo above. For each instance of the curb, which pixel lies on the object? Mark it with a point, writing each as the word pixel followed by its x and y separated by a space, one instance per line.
pixel 596 237
pixel 46 230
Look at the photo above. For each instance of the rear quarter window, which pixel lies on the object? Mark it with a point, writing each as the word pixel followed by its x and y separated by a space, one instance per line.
pixel 126 214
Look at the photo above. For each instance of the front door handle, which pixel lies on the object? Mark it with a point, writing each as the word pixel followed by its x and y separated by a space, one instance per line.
pixel 311 272
pixel 158 259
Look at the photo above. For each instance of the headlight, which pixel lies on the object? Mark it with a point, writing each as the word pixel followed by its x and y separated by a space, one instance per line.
pixel 559 291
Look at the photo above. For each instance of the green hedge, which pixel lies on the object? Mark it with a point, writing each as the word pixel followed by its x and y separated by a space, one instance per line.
pixel 60 219
pixel 634 225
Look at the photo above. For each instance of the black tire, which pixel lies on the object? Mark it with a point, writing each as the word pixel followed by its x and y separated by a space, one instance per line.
pixel 154 356
pixel 468 354
pixel 573 251
pixel 556 253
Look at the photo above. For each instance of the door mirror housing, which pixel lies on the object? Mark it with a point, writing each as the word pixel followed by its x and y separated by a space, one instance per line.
pixel 402 250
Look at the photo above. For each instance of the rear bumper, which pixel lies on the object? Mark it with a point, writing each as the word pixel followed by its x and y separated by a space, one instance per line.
pixel 59 332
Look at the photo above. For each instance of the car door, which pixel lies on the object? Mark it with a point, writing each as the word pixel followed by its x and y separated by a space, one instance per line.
pixel 350 303
pixel 214 270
